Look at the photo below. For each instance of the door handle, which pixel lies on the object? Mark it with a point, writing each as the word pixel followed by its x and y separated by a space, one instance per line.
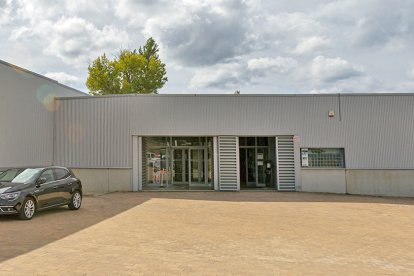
pixel 55 187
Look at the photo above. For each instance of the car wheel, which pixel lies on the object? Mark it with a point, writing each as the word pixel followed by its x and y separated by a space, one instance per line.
pixel 28 209
pixel 75 201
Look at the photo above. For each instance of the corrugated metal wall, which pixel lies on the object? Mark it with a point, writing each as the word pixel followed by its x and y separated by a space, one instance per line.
pixel 93 133
pixel 26 116
pixel 375 130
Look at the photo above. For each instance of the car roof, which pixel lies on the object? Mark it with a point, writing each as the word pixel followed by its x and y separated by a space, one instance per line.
pixel 36 167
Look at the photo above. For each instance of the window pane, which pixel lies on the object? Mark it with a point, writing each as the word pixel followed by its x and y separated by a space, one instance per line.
pixel 251 141
pixel 61 173
pixel 9 175
pixel 262 141
pixel 188 141
pixel 177 163
pixel 48 174
pixel 325 157
pixel 242 141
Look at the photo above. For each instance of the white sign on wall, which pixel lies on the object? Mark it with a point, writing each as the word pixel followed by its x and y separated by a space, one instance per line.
pixel 305 160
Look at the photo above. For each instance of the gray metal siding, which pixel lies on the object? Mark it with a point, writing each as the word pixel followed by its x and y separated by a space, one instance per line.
pixel 375 130
pixel 26 116
pixel 93 134
pixel 378 132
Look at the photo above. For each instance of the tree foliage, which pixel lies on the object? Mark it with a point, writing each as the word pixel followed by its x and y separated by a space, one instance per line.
pixel 130 72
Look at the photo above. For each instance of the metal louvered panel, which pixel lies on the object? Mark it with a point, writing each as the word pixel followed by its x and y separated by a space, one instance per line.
pixel 285 163
pixel 228 153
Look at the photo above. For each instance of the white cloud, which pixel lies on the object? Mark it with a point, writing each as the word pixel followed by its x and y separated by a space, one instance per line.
pixel 410 73
pixel 311 44
pixel 17 33
pixel 201 33
pixel 5 11
pixel 76 40
pixel 37 10
pixel 62 77
pixel 370 23
pixel 405 87
pixel 279 65
pixel 278 31
pixel 236 74
pixel 137 12
pixel 361 84
pixel 327 70
pixel 284 23
pixel 219 75
pixel 216 44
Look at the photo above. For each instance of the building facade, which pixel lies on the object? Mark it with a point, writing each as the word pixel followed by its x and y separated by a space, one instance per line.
pixel 348 143
pixel 357 144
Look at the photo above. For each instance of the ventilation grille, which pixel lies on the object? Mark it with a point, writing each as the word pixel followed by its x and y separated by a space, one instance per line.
pixel 285 163
pixel 228 147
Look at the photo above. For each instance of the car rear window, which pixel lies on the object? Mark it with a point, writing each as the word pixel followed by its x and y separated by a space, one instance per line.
pixel 61 173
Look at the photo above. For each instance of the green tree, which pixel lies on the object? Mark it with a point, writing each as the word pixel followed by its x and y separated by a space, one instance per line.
pixel 130 72
pixel 149 50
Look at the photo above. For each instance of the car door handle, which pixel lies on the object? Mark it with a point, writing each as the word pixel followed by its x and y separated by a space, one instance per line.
pixel 55 187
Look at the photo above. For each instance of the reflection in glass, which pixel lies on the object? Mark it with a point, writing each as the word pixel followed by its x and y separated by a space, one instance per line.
pixel 177 163
pixel 257 162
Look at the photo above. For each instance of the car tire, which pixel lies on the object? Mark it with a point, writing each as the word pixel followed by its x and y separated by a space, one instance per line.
pixel 28 209
pixel 75 201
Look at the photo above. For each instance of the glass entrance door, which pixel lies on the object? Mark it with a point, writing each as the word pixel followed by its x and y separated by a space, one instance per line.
pixel 177 163
pixel 180 168
pixel 198 168
pixel 189 168
pixel 257 159
pixel 248 170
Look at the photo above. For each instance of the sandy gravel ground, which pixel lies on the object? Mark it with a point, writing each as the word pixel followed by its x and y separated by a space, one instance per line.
pixel 211 233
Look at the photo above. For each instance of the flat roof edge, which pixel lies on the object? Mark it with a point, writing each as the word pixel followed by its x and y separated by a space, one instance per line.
pixel 236 95
pixel 40 76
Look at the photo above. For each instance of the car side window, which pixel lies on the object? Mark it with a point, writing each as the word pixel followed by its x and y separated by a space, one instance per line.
pixel 61 173
pixel 48 174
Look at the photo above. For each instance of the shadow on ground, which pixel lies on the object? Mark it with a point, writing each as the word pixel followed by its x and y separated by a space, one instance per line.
pixel 19 237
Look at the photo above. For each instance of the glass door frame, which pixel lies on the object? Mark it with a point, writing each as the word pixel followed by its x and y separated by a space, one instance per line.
pixel 187 150
pixel 246 169
pixel 256 148
pixel 184 151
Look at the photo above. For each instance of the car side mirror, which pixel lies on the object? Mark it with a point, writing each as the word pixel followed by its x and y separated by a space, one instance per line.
pixel 40 181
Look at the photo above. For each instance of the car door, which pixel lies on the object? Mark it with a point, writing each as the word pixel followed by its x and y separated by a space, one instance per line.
pixel 47 192
pixel 63 183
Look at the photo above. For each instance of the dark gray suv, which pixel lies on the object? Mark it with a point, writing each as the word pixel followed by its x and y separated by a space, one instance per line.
pixel 35 189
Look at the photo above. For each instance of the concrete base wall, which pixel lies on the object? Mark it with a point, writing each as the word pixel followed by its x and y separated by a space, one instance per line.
pixel 323 181
pixel 358 182
pixel 99 181
pixel 380 182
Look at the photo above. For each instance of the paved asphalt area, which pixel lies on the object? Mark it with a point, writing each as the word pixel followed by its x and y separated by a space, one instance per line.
pixel 214 233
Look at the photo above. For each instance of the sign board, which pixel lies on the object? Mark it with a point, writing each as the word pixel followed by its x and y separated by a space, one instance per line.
pixel 304 156
pixel 260 156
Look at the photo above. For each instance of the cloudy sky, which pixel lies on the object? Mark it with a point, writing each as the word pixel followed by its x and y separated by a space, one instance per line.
pixel 214 46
